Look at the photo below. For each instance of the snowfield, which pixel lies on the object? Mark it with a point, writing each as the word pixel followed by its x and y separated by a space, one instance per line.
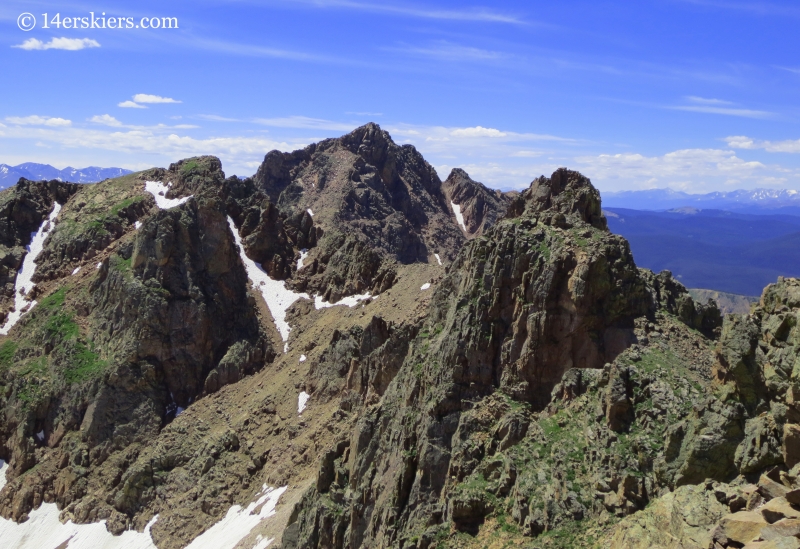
pixel 159 190
pixel 459 215
pixel 24 284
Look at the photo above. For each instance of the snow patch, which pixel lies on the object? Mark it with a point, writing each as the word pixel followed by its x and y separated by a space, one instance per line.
pixel 350 301
pixel 425 286
pixel 275 293
pixel 261 541
pixel 439 259
pixel 24 284
pixel 238 523
pixel 75 271
pixel 459 216
pixel 302 358
pixel 302 400
pixel 43 530
pixel 303 256
pixel 40 435
pixel 159 190
pixel 310 212
pixel 138 225
pixel 99 264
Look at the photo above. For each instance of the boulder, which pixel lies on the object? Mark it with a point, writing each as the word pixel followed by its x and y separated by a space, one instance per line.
pixel 739 528
pixel 791 444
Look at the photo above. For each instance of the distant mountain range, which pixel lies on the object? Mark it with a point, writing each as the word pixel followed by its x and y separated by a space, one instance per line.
pixel 725 251
pixel 756 201
pixel 9 175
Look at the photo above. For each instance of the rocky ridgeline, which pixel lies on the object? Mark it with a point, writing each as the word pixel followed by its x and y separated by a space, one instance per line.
pixel 544 392
pixel 466 432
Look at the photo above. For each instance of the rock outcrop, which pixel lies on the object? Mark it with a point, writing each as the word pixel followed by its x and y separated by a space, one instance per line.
pixel 479 206
pixel 464 431
pixel 373 204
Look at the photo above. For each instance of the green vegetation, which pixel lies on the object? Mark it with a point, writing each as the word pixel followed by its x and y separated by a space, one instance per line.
pixel 189 166
pixel 119 264
pixel 61 327
pixel 7 351
pixel 85 364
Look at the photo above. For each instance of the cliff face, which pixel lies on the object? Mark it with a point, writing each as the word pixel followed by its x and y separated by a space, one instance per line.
pixel 374 205
pixel 545 291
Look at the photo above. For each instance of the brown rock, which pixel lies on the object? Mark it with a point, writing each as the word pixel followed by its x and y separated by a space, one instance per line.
pixel 782 528
pixel 771 489
pixel 791 444
pixel 779 509
pixel 793 496
pixel 741 528
pixel 777 543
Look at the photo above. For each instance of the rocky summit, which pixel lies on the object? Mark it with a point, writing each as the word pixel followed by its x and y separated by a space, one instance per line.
pixel 344 351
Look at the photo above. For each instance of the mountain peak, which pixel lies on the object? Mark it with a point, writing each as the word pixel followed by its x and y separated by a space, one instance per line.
pixel 476 206
pixel 566 194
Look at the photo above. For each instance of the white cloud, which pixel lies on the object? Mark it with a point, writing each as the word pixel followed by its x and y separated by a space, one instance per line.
pixel 161 145
pixel 37 121
pixel 213 118
pixel 130 105
pixel 785 146
pixel 479 14
pixel 706 101
pixel 304 122
pixel 688 169
pixel 147 98
pixel 105 120
pixel 452 52
pixel 69 44
pixel 708 109
pixel 477 131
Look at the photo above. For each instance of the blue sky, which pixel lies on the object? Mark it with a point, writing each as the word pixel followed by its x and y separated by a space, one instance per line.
pixel 696 95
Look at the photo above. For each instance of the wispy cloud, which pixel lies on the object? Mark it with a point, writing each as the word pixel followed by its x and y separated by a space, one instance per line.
pixel 69 44
pixel 709 109
pixel 758 8
pixel 108 120
pixel 784 146
pixel 147 98
pixel 306 123
pixel 450 52
pixel 130 105
pixel 479 14
pixel 36 120
pixel 215 118
pixel 789 69
pixel 707 101
pixel 250 50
